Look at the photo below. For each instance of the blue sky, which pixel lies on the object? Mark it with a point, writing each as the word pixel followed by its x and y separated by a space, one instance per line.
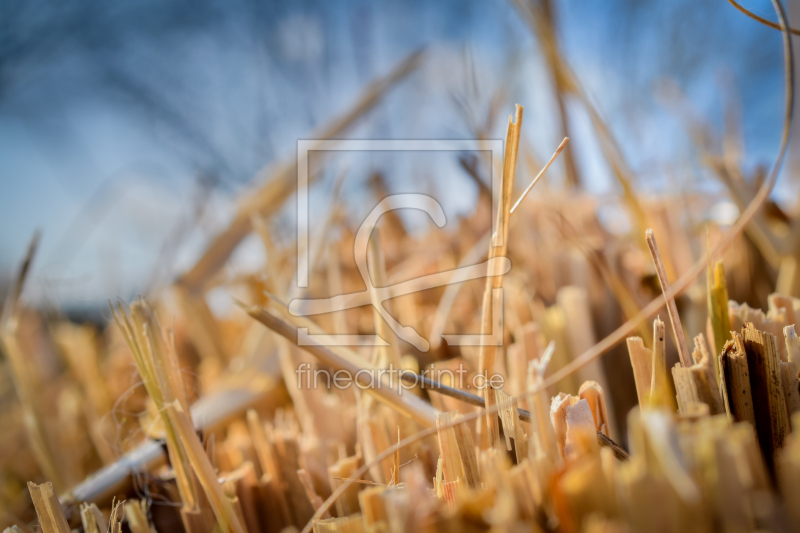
pixel 110 112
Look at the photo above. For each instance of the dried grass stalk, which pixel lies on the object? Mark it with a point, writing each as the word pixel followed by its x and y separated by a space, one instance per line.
pixel 157 366
pixel 51 516
pixel 489 430
pixel 227 518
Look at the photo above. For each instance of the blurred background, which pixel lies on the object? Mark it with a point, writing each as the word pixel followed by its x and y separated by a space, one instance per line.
pixel 152 145
pixel 128 131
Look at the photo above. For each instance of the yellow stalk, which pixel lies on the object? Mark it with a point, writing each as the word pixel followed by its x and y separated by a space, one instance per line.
pixel 142 334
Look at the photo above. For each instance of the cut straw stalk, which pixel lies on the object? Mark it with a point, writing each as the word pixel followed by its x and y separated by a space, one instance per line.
pixel 92 519
pixel 268 461
pixel 718 309
pixel 698 384
pixel 161 379
pixel 227 518
pixel 497 248
pixel 660 393
pixel 344 359
pixel 752 388
pixel 51 517
pixel 672 309
pixel 115 520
